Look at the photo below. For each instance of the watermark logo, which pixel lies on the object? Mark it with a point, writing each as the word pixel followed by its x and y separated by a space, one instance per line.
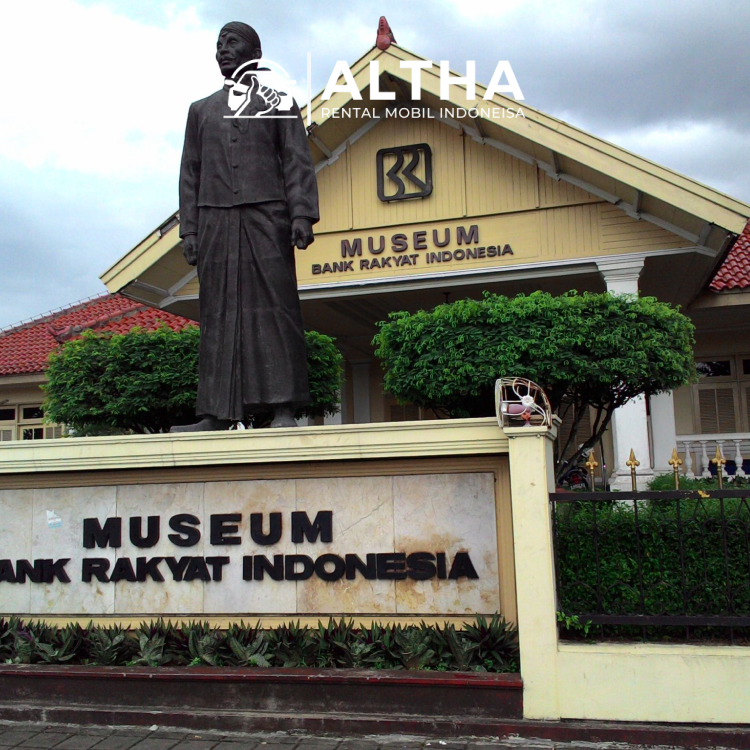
pixel 404 159
pixel 259 88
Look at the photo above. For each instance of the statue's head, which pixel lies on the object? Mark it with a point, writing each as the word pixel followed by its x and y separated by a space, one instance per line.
pixel 238 43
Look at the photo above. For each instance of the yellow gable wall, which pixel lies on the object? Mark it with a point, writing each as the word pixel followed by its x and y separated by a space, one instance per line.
pixel 512 205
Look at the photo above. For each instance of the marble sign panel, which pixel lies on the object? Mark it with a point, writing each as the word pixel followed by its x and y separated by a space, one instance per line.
pixel 451 513
pixel 16 510
pixel 163 501
pixel 242 540
pixel 50 540
pixel 233 594
pixel 362 523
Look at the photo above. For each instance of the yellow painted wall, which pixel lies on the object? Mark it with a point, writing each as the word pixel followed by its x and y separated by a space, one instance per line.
pixel 335 180
pixel 620 233
pixel 654 682
pixel 447 200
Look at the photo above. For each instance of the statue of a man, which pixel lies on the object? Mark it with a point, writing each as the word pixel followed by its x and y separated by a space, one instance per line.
pixel 248 196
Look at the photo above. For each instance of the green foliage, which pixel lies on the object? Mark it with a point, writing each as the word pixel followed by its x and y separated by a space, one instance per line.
pixel 142 381
pixel 204 644
pixel 572 624
pixel 245 646
pixel 109 646
pixel 462 649
pixel 146 381
pixel 59 646
pixel 414 646
pixel 8 629
pixel 325 367
pixel 496 643
pixel 292 645
pixel 680 548
pixel 161 643
pixel 482 646
pixel 334 643
pixel 585 350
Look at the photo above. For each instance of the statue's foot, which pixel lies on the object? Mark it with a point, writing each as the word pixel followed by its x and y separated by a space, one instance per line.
pixel 207 424
pixel 284 416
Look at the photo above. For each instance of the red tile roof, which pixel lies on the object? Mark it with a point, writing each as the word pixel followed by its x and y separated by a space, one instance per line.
pixel 24 348
pixel 734 272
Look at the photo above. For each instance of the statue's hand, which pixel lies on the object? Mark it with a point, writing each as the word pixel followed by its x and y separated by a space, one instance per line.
pixel 190 249
pixel 302 233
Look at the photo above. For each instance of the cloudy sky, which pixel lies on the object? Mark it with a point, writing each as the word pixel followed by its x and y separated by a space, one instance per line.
pixel 95 95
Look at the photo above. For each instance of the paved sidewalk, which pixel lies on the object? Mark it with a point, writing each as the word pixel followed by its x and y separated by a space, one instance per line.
pixel 42 736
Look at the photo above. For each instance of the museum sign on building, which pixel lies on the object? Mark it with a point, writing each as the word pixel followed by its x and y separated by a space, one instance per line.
pixel 427 202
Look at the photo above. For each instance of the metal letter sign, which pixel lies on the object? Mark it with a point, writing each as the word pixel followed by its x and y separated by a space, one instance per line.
pixel 407 160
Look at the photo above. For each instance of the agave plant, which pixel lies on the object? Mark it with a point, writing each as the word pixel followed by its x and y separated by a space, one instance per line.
pixel 110 646
pixel 414 645
pixel 460 647
pixel 245 646
pixel 292 645
pixel 334 643
pixel 58 646
pixel 496 643
pixel 368 648
pixel 23 645
pixel 8 629
pixel 204 643
pixel 158 644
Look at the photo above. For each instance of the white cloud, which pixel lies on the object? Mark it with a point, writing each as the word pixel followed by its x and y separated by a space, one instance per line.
pixel 95 92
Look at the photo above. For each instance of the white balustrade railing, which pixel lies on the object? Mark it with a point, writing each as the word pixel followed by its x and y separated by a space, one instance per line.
pixel 698 451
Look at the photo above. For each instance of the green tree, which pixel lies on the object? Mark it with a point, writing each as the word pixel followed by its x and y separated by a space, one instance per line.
pixel 588 351
pixel 146 381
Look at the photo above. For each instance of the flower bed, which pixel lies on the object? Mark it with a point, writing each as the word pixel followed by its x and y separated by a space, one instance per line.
pixel 484 646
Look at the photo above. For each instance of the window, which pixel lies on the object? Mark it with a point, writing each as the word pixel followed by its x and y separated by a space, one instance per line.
pixel 32 414
pixel 26 422
pixel 722 396
pixel 717 368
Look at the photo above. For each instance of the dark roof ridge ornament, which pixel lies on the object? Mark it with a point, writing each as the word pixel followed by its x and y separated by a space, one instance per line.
pixel 384 38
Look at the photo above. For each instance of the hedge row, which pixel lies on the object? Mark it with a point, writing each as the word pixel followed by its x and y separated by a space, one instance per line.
pixel 679 551
pixel 484 646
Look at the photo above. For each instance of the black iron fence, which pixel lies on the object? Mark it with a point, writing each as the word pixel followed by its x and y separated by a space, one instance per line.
pixel 653 565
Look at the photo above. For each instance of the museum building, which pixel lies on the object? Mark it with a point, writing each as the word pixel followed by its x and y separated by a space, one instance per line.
pixel 435 200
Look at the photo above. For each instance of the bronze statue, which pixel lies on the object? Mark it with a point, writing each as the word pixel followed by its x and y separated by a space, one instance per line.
pixel 248 196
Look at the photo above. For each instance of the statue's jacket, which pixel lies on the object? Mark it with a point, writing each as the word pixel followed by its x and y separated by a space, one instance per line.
pixel 232 161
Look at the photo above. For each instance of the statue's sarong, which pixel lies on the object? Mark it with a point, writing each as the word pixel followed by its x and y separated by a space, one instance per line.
pixel 252 350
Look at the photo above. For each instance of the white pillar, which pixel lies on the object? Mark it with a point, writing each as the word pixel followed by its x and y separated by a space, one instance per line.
pixel 629 422
pixel 361 392
pixel 663 431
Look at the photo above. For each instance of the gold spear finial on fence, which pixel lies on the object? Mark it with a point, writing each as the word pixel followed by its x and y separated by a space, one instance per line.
pixel 633 462
pixel 675 462
pixel 591 464
pixel 718 460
